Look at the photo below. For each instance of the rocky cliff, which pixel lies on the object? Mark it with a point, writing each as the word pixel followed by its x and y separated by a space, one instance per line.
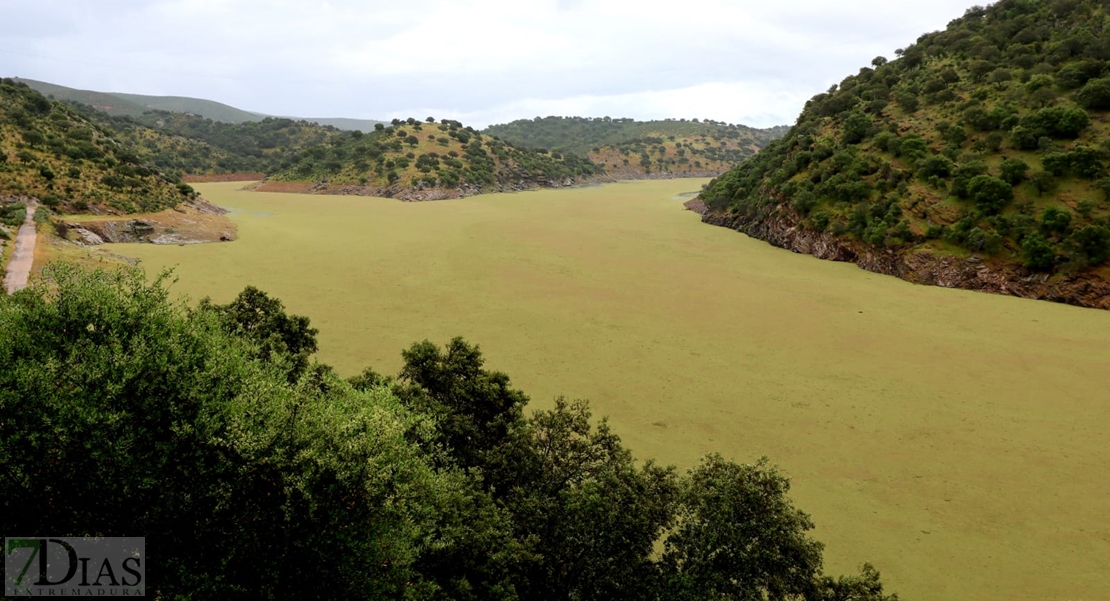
pixel 783 228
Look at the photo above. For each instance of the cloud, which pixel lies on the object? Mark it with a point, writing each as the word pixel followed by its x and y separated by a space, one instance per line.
pixel 477 59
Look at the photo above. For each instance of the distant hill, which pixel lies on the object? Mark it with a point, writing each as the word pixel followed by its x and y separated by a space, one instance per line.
pixel 629 149
pixel 414 160
pixel 134 105
pixel 209 109
pixel 977 159
pixel 50 152
pixel 185 144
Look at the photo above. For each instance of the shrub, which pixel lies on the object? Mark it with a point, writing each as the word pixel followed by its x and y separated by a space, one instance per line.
pixel 989 193
pixel 1044 182
pixel 1093 242
pixel 1014 171
pixel 1057 163
pixel 1037 253
pixel 1057 122
pixel 1055 220
pixel 1095 95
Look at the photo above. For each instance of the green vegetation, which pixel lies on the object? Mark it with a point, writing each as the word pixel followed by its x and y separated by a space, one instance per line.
pixel 632 149
pixel 50 152
pixel 581 134
pixel 122 412
pixel 964 142
pixel 427 155
pixel 939 448
pixel 181 143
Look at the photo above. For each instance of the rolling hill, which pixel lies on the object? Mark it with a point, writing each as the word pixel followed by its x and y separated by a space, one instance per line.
pixel 50 152
pixel 185 144
pixel 629 149
pixel 134 105
pixel 414 160
pixel 977 159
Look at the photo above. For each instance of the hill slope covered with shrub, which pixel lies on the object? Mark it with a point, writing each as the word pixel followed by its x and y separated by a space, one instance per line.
pixel 629 149
pixel 185 144
pixel 51 152
pixel 424 160
pixel 978 159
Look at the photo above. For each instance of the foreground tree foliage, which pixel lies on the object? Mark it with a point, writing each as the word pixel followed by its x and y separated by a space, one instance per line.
pixel 124 413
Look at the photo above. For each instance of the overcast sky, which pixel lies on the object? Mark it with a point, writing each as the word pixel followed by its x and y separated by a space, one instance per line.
pixel 479 61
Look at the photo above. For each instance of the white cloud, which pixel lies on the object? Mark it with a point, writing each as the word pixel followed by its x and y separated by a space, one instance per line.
pixel 477 60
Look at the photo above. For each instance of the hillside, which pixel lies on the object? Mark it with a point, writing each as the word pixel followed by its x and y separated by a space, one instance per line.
pixel 413 160
pixel 629 149
pixel 50 152
pixel 183 144
pixel 976 159
pixel 134 105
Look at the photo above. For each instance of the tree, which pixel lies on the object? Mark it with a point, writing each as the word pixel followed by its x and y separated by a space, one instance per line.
pixel 257 316
pixel 1095 95
pixel 1014 171
pixel 476 409
pixel 1001 77
pixel 124 414
pixel 1044 182
pixel 1037 253
pixel 979 69
pixel 867 586
pixel 589 514
pixel 857 127
pixel 1055 220
pixel 1057 163
pixel 738 536
pixel 990 193
pixel 412 141
pixel 1093 243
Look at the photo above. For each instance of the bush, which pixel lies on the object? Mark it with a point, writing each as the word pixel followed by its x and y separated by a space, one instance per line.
pixel 1095 95
pixel 1044 182
pixel 1055 220
pixel 1093 243
pixel 1057 122
pixel 1057 163
pixel 856 128
pixel 156 421
pixel 989 193
pixel 1037 253
pixel 937 165
pixel 820 221
pixel 1014 171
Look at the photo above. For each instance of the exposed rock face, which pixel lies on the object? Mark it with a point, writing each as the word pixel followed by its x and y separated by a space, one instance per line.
pixel 194 222
pixel 780 228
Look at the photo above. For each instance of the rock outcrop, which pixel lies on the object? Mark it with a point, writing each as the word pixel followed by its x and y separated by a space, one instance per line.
pixel 781 228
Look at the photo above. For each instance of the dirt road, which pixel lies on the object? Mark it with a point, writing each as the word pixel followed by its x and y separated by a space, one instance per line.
pixel 19 268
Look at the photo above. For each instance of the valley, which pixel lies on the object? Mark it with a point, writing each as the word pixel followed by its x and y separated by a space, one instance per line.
pixel 881 374
pixel 947 436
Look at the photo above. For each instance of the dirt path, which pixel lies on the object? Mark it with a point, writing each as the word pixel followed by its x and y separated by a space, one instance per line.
pixel 19 268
